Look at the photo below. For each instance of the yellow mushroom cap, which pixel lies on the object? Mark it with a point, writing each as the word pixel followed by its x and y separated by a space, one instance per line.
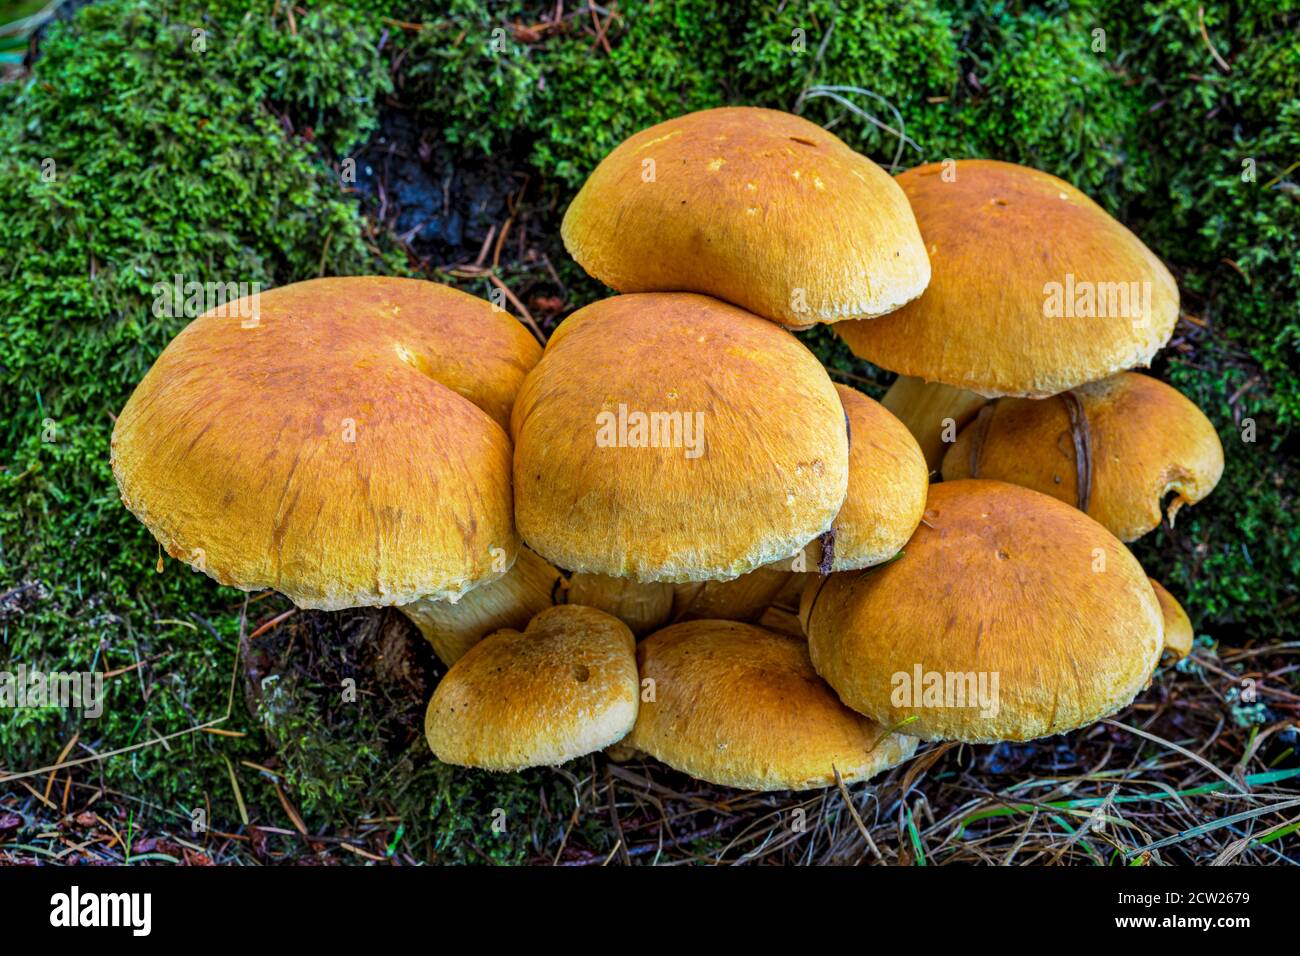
pixel 888 480
pixel 510 601
pixel 1179 634
pixel 740 706
pixel 754 206
pixel 1035 619
pixel 1144 440
pixel 343 445
pixel 564 687
pixel 673 437
pixel 1017 254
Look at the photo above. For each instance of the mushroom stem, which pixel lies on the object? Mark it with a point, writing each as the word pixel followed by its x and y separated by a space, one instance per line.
pixel 740 599
pixel 932 412
pixel 509 601
pixel 642 606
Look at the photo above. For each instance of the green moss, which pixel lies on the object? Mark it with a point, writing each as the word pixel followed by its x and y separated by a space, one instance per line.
pixel 1235 558
pixel 166 160
pixel 471 75
pixel 906 55
pixel 665 59
pixel 562 102
pixel 341 698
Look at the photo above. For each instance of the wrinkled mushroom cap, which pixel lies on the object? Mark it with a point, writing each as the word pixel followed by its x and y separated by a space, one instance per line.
pixel 754 206
pixel 564 687
pixel 1147 440
pixel 510 601
pixel 344 446
pixel 752 467
pixel 740 706
pixel 1179 634
pixel 998 235
pixel 998 580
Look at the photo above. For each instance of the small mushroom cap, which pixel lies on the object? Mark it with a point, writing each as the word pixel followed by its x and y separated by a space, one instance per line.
pixel 740 706
pixel 1179 634
pixel 510 601
pixel 344 445
pixel 888 480
pixel 1147 440
pixel 753 465
pixel 999 235
pixel 1005 594
pixel 644 607
pixel 754 206
pixel 564 687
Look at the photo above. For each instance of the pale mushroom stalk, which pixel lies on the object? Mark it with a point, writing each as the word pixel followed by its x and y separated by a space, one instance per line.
pixel 933 412
pixel 642 606
pixel 740 599
pixel 510 601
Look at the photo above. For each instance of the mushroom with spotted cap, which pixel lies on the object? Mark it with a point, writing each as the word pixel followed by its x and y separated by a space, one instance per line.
pixel 758 207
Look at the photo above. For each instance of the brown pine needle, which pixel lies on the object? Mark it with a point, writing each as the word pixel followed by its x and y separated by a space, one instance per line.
pixel 290 811
pixel 857 819
pixel 63 755
pixel 234 785
pixel 273 623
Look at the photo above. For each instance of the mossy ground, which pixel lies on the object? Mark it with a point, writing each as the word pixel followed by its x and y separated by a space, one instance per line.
pixel 218 155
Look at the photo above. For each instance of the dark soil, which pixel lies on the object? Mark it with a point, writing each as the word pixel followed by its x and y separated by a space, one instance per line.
pixel 441 205
pixel 460 214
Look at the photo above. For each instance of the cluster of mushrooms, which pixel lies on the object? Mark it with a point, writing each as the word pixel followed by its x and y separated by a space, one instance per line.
pixel 669 533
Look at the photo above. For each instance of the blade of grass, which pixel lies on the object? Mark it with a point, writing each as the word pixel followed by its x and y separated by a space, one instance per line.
pixel 916 840
pixel 1084 803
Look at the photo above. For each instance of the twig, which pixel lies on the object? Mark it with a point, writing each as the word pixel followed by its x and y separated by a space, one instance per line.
pixel 1205 35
